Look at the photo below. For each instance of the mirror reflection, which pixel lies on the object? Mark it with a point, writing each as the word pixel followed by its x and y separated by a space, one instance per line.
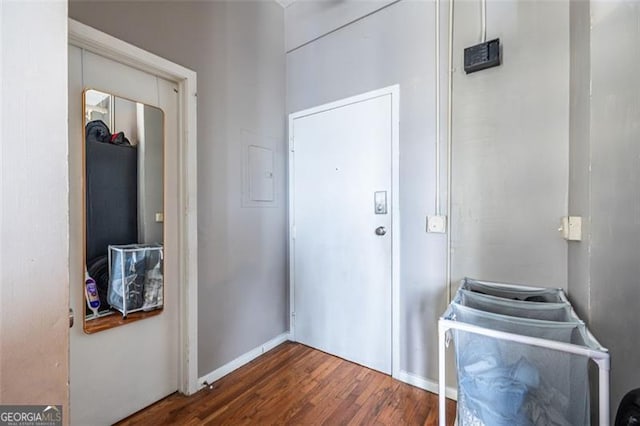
pixel 124 207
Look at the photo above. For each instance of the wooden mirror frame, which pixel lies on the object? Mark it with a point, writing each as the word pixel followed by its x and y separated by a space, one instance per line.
pixel 115 318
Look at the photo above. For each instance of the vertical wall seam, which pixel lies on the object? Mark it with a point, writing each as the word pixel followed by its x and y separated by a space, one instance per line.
pixel 589 175
pixel 449 150
pixel 437 141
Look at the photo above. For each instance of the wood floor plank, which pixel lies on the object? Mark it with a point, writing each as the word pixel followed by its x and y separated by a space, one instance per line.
pixel 297 385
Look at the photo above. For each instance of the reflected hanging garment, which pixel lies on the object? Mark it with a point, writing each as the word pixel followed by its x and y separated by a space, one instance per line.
pixel 112 196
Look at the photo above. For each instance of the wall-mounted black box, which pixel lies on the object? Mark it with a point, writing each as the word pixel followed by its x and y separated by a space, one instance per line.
pixel 482 56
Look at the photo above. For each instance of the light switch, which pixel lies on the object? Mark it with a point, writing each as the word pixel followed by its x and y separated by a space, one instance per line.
pixel 437 224
pixel 159 217
pixel 380 202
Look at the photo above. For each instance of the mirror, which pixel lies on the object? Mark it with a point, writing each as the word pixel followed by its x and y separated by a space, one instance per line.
pixel 124 210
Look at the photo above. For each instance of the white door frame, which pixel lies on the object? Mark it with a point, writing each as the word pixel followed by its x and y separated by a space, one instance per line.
pixel 96 41
pixel 394 91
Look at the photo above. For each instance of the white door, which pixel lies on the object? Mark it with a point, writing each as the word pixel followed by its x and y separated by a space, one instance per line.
pixel 117 372
pixel 341 247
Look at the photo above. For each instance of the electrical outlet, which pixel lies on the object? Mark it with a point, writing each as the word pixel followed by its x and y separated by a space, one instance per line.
pixel 437 224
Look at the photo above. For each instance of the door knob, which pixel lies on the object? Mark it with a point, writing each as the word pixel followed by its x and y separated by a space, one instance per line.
pixel 381 230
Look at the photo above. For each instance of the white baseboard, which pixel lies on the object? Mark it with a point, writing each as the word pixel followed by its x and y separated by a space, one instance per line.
pixel 426 384
pixel 219 373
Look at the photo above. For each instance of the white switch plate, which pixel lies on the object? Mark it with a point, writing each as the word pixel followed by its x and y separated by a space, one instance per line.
pixel 571 228
pixel 159 217
pixel 437 224
pixel 380 202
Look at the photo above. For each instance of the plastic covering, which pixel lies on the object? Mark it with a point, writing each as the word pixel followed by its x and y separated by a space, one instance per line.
pixel 503 382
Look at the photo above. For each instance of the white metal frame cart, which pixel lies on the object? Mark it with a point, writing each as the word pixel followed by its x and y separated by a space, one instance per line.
pixel 522 357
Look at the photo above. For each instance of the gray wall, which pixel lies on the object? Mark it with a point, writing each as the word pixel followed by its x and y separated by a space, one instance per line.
pixel 525 136
pixel 573 116
pixel 394 45
pixel 604 181
pixel 151 175
pixel 510 145
pixel 580 154
pixel 615 188
pixel 125 119
pixel 509 192
pixel 308 20
pixel 237 49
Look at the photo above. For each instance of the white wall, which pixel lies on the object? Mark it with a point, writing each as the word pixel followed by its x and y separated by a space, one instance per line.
pixel 237 49
pixel 34 299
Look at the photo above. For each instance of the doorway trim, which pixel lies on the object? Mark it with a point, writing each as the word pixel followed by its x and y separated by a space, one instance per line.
pixel 95 41
pixel 394 92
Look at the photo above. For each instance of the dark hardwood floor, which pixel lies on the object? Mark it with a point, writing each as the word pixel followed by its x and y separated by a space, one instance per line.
pixel 297 385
